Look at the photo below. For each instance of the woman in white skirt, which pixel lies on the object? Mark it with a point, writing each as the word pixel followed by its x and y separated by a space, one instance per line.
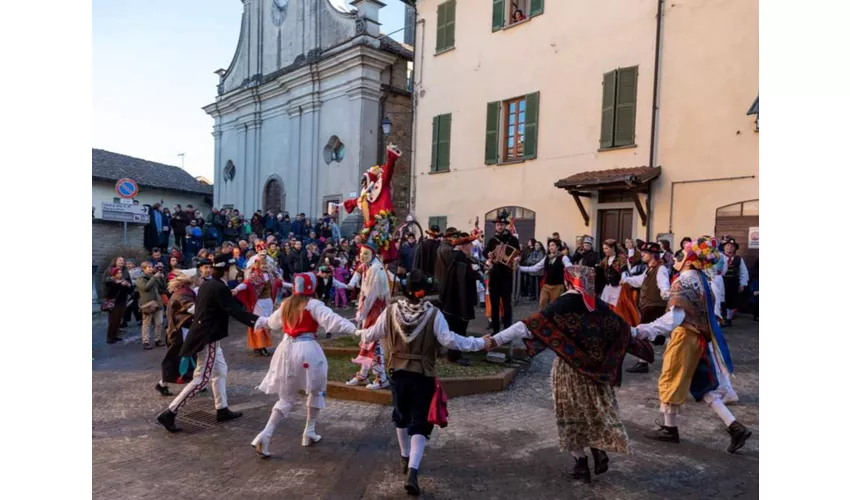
pixel 298 364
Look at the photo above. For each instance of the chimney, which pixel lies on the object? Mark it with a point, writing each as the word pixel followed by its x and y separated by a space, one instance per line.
pixel 368 11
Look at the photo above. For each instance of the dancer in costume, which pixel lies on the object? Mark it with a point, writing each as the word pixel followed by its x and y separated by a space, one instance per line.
pixel 214 306
pixel 425 258
pixel 613 268
pixel 256 293
pixel 654 287
pixel 413 330
pixel 697 358
pixel 553 266
pixel 298 364
pixel 179 319
pixel 590 341
pixel 459 294
pixel 735 279
pixel 373 299
pixel 501 276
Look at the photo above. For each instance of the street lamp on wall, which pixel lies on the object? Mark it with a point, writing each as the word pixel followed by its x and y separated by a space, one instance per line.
pixel 386 125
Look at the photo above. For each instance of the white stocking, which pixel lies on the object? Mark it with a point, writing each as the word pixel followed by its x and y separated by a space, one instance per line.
pixel 722 412
pixel 274 420
pixel 403 441
pixel 417 449
pixel 669 420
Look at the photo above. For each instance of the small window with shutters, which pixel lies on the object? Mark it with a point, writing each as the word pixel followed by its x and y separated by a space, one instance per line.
pixel 509 12
pixel 619 107
pixel 439 221
pixel 446 25
pixel 512 129
pixel 441 138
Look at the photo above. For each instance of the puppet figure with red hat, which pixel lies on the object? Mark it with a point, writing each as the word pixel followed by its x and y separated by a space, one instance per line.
pixel 375 202
pixel 299 363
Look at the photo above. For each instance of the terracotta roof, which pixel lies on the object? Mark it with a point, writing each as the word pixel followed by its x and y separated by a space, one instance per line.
pixel 109 166
pixel 633 175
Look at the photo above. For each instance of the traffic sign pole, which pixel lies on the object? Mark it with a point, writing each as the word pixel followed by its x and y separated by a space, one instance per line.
pixel 125 233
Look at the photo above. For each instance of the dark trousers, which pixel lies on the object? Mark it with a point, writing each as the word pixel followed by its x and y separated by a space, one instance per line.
pixel 179 241
pixel 115 317
pixel 501 289
pixel 457 325
pixel 132 310
pixel 412 393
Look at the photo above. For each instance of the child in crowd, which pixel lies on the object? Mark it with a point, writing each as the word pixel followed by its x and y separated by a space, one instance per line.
pixel 341 274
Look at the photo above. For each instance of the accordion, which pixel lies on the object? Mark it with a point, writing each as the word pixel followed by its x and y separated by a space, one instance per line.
pixel 505 254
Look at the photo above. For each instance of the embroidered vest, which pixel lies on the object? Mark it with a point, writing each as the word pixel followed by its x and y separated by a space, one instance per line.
pixel 554 272
pixel 733 270
pixel 306 324
pixel 418 356
pixel 650 294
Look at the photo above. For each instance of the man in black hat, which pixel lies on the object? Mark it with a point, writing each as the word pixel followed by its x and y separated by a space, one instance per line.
pixel 735 280
pixel 425 257
pixel 213 308
pixel 585 255
pixel 501 275
pixel 460 294
pixel 444 257
pixel 654 287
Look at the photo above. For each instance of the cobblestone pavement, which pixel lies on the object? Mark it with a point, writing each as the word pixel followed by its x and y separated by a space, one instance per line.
pixel 497 446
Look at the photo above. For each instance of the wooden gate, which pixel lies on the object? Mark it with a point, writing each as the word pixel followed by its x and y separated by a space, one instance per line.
pixel 615 225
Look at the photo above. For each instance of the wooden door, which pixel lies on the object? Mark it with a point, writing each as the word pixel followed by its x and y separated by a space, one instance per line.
pixel 615 225
pixel 273 197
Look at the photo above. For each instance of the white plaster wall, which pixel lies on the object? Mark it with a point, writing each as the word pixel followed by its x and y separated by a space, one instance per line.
pixel 105 192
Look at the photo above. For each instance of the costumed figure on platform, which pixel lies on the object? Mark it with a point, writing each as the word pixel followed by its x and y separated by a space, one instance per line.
pixel 697 359
pixel 610 271
pixel 257 294
pixel 179 319
pixel 502 250
pixel 298 363
pixel 214 306
pixel 590 341
pixel 654 286
pixel 376 205
pixel 373 299
pixel 413 331
pixel 425 257
pixel 553 266
pixel 459 293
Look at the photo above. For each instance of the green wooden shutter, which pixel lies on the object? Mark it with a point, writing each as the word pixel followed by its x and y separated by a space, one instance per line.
pixel 491 144
pixel 609 86
pixel 441 27
pixel 498 14
pixel 536 8
pixel 532 118
pixel 444 144
pixel 624 121
pixel 450 24
pixel 435 143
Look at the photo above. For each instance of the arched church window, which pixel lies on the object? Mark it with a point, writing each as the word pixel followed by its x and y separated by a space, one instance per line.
pixel 229 171
pixel 334 151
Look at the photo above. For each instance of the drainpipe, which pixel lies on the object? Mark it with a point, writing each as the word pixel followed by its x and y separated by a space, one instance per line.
pixel 414 102
pixel 673 186
pixel 653 132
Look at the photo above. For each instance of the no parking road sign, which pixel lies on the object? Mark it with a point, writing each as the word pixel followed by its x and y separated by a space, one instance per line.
pixel 126 188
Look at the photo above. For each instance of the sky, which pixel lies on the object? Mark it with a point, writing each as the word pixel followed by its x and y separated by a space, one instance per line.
pixel 152 72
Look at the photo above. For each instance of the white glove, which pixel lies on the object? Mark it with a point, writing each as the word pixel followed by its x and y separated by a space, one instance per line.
pixel 262 322
pixel 634 332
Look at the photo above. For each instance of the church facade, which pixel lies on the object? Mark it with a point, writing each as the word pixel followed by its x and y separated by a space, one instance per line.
pixel 299 111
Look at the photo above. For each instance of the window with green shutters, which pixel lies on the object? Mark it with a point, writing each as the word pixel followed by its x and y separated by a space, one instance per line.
pixel 439 221
pixel 619 107
pixel 441 138
pixel 446 25
pixel 509 12
pixel 512 126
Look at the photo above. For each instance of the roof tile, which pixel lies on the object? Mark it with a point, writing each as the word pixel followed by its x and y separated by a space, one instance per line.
pixel 109 166
pixel 636 175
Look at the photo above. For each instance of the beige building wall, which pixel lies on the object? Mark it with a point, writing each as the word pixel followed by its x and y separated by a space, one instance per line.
pixel 709 72
pixel 709 79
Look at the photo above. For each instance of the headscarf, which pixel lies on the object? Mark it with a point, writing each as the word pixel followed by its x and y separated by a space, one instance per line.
pixel 583 279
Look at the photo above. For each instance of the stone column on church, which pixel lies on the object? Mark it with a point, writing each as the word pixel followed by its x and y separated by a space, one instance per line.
pixel 218 169
pixel 251 168
pixel 294 160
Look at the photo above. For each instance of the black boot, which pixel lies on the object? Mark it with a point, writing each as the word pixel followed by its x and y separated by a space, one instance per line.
pixel 739 434
pixel 665 434
pixel 581 470
pixel 163 390
pixel 600 461
pixel 224 414
pixel 412 483
pixel 404 463
pixel 639 368
pixel 167 418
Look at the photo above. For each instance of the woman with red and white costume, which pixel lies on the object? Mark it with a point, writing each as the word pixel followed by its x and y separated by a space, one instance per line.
pixel 298 363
